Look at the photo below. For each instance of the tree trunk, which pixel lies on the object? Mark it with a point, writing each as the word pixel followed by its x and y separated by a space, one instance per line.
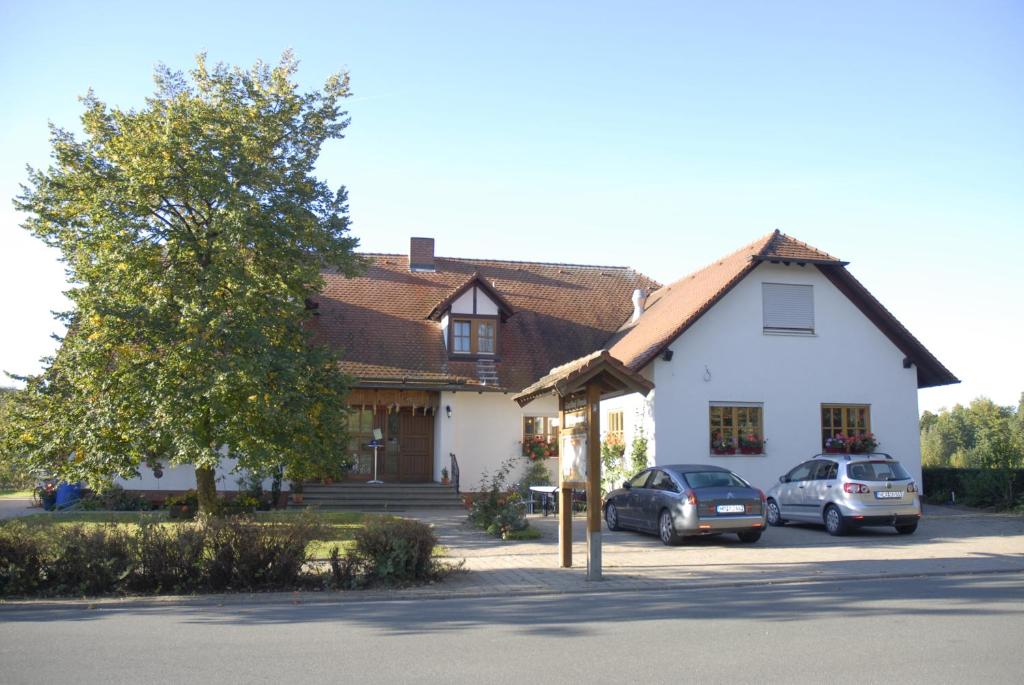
pixel 206 489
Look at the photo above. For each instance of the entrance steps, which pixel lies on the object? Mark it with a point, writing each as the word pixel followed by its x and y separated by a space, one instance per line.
pixel 379 498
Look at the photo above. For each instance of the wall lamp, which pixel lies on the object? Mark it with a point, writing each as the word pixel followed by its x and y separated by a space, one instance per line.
pixel 448 410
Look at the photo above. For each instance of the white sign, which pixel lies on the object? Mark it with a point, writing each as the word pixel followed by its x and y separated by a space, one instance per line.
pixel 572 458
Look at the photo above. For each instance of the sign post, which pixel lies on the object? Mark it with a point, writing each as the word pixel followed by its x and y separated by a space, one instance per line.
pixel 378 435
pixel 580 385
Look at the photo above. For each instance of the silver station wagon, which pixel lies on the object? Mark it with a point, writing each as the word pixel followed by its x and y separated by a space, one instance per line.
pixel 844 491
pixel 676 502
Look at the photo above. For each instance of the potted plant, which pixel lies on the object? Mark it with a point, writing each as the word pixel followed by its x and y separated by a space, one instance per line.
pixel 297 496
pixel 751 444
pixel 183 506
pixel 862 443
pixel 837 444
pixel 720 445
pixel 444 476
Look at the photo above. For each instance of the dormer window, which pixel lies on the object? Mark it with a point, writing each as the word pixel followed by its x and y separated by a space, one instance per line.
pixel 473 336
pixel 471 319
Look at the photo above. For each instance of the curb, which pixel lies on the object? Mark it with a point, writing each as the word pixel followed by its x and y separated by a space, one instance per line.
pixel 336 597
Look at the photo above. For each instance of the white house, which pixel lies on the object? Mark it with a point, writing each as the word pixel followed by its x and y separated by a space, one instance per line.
pixel 761 356
pixel 755 359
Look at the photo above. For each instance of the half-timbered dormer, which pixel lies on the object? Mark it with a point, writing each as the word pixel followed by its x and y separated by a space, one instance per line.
pixel 471 318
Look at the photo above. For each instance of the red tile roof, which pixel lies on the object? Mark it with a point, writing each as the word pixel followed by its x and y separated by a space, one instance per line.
pixel 677 306
pixel 378 322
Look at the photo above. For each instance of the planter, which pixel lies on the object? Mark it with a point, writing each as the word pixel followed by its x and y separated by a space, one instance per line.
pixel 298 497
pixel 444 481
pixel 182 512
pixel 751 450
pixel 723 450
pixel 836 450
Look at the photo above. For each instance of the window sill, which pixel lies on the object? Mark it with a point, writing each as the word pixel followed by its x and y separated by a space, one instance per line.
pixel 739 454
pixel 796 334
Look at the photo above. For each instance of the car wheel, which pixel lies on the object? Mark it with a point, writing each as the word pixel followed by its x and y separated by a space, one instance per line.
pixel 835 524
pixel 611 516
pixel 749 536
pixel 907 529
pixel 667 529
pixel 774 515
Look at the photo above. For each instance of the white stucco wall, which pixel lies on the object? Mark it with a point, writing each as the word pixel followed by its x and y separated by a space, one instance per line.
pixel 847 361
pixel 178 478
pixel 485 429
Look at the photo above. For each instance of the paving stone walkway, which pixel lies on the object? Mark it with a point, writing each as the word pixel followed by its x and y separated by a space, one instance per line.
pixel 949 540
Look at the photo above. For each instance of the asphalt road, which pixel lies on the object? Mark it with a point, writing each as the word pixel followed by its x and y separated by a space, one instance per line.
pixel 934 630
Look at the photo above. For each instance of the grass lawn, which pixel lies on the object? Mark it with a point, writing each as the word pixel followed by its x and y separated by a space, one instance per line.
pixel 339 526
pixel 15 494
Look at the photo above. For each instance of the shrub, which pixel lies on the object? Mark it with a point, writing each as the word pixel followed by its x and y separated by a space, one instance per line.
pixel 183 506
pixel 168 559
pixel 21 560
pixel 244 555
pixel 117 498
pixel 389 550
pixel 499 509
pixel 88 560
pixel 238 505
pixel 980 487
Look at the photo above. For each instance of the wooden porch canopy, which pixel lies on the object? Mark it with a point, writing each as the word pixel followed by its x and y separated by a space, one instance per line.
pixel 394 399
pixel 599 368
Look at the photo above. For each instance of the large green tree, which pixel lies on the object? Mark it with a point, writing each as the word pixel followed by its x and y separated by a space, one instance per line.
pixel 193 231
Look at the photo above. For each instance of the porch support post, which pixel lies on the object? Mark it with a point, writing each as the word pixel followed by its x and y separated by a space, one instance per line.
pixel 565 526
pixel 564 504
pixel 593 482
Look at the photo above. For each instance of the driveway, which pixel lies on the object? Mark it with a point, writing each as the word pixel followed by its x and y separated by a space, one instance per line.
pixel 10 508
pixel 948 541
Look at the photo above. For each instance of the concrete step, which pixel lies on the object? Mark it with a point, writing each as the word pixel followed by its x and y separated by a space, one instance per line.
pixel 349 496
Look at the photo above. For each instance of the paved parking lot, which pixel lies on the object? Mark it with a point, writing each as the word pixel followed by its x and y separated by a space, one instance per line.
pixel 947 541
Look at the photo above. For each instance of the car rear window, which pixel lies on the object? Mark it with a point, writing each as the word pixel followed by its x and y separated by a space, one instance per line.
pixel 877 470
pixel 714 479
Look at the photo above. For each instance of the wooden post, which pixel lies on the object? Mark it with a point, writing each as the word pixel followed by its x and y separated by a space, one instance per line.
pixel 564 502
pixel 565 526
pixel 593 482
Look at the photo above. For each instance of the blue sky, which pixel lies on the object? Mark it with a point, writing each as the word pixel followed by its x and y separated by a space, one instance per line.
pixel 657 135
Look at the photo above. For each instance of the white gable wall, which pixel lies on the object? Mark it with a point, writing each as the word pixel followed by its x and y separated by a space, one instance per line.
pixel 847 361
pixel 463 304
pixel 484 430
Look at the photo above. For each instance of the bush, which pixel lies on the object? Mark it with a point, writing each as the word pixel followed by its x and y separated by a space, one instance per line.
pixel 169 559
pixel 499 509
pixel 89 560
pixel 117 498
pixel 388 551
pixel 229 554
pixel 183 506
pixel 247 556
pixel 979 487
pixel 21 560
pixel 238 505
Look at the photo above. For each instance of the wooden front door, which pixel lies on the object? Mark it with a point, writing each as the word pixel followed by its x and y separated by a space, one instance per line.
pixel 408 451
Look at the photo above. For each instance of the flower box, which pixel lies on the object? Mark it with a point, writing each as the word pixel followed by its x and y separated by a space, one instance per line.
pixel 751 450
pixel 723 450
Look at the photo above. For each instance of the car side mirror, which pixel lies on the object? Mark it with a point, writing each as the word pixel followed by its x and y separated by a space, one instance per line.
pixel 626 485
pixel 783 479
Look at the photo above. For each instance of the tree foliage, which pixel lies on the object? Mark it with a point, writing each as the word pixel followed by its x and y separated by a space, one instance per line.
pixel 980 435
pixel 193 231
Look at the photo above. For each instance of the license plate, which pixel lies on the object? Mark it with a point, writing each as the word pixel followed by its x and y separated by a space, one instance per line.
pixel 888 494
pixel 731 509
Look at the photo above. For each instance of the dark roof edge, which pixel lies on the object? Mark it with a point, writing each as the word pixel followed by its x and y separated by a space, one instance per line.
pixel 930 371
pixel 476 279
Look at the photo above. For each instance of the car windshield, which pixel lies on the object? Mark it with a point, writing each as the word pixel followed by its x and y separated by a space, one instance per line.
pixel 713 479
pixel 877 470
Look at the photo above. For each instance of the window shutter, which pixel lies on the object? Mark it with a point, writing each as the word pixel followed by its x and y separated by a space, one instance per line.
pixel 788 307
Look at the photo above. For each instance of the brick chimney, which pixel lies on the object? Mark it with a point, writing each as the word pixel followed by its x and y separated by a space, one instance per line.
pixel 421 254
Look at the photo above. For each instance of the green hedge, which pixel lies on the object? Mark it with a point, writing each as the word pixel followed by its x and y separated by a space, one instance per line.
pixel 973 487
